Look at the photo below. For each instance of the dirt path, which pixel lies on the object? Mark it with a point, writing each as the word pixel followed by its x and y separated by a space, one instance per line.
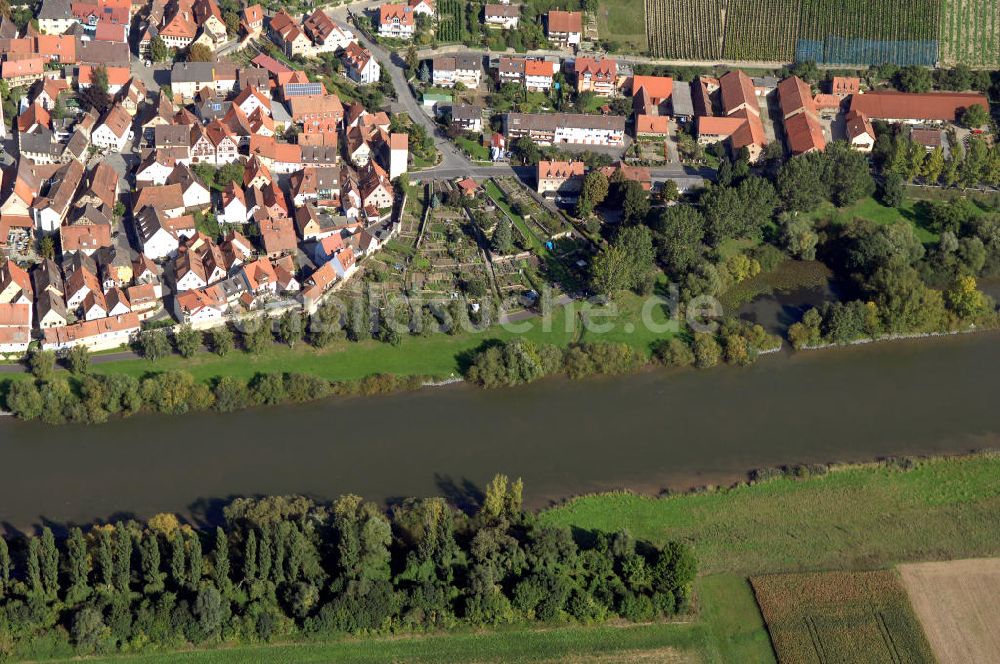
pixel 958 604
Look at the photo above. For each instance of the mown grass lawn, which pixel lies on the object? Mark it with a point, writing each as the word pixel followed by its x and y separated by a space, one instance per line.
pixel 639 321
pixel 909 212
pixel 439 355
pixel 623 22
pixel 436 355
pixel 475 149
pixel 668 642
pixel 736 630
pixel 857 518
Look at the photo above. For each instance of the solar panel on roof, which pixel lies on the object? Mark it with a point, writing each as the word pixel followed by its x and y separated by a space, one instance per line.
pixel 300 89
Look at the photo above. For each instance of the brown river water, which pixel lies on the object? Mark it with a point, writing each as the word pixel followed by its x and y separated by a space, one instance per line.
pixel 647 432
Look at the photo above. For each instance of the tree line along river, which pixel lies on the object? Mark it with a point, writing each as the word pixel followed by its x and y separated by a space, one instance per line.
pixel 647 432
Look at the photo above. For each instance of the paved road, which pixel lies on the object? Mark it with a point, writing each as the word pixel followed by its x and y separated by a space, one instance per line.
pixel 406 102
pixel 454 164
pixel 104 358
pixel 627 59
pixel 685 178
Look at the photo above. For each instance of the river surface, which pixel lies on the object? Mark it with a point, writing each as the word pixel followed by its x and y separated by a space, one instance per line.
pixel 647 432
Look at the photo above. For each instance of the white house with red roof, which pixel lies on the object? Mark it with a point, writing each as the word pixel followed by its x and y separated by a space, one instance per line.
pixel 396 21
pixel 360 65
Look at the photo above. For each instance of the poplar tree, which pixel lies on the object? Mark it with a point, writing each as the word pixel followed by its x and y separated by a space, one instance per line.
pixel 264 556
pixel 178 571
pixel 77 568
pixel 123 558
pixel 50 563
pixel 195 563
pixel 34 566
pixel 149 559
pixel 278 559
pixel 220 571
pixel 5 567
pixel 250 558
pixel 105 558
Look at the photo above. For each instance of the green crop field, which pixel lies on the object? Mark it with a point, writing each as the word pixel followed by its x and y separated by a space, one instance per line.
pixel 970 32
pixel 684 29
pixel 841 616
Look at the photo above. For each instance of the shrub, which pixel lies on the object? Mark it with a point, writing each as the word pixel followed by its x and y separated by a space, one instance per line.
pixel 231 394
pixel 267 389
pixel 152 344
pixel 24 399
pixel 175 392
pixel 221 340
pixel 301 387
pixel 510 363
pixel 78 360
pixel 42 363
pixel 187 340
pixel 707 351
pixel 673 352
pixel 600 358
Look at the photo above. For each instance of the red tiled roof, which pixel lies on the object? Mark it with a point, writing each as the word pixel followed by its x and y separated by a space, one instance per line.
pixel 845 85
pixel 737 89
pixel 940 106
pixel 824 101
pixel 559 21
pixel 270 64
pixel 85 237
pixel 559 169
pixel 658 88
pixel 90 328
pixel 23 67
pixel 750 133
pixel 108 31
pixel 653 124
pixel 388 13
pixel 62 47
pixel 794 94
pixel 116 75
pixel 719 126
pixel 858 124
pixel 600 68
pixel 803 133
pixel 537 68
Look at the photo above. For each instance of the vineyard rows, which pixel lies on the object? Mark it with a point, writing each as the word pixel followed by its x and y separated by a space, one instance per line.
pixel 684 29
pixel 761 30
pixel 970 32
pixel 870 31
pixel 450 21
pixel 829 31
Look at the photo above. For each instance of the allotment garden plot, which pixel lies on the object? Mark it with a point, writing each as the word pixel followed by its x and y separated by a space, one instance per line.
pixel 542 231
pixel 844 617
pixel 448 253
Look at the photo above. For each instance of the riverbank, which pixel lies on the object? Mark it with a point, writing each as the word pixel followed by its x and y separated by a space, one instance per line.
pixel 663 428
pixel 866 516
pixel 853 517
